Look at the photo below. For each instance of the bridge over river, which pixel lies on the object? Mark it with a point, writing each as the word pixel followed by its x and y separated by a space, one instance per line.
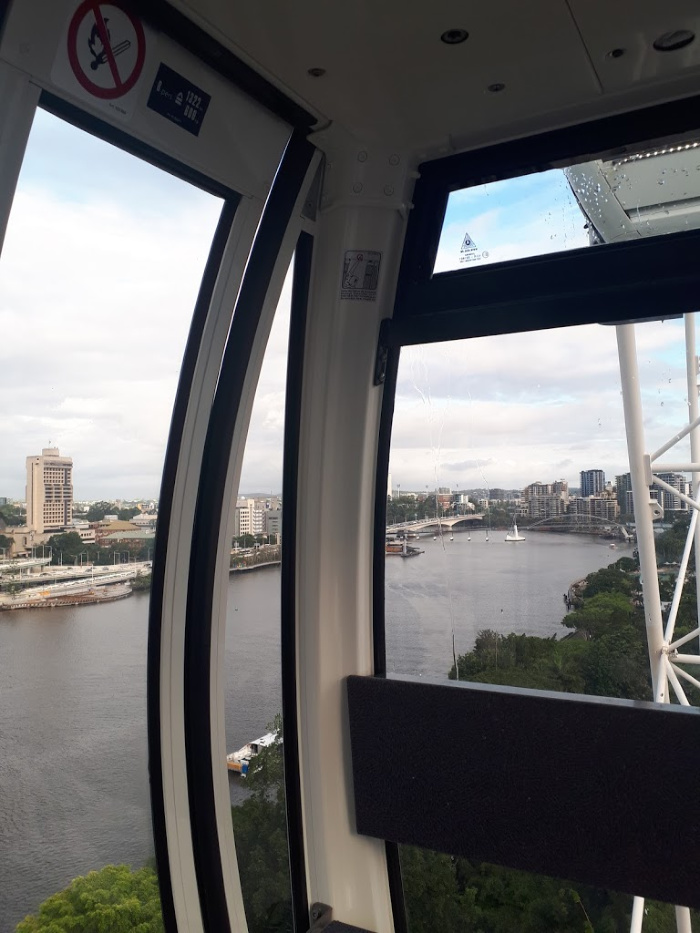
pixel 432 524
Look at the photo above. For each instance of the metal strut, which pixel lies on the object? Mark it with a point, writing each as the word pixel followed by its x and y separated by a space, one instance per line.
pixel 664 658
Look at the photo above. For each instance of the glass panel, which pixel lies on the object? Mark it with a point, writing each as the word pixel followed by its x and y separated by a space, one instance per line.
pixel 456 894
pixel 648 193
pixel 253 662
pixel 511 494
pixel 99 275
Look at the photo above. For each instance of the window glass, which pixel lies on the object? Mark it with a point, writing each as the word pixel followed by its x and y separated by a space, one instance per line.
pixel 463 896
pixel 511 498
pixel 511 559
pixel 253 661
pixel 648 193
pixel 100 271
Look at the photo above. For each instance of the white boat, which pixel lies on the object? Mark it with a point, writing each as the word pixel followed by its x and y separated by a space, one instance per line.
pixel 240 761
pixel 513 534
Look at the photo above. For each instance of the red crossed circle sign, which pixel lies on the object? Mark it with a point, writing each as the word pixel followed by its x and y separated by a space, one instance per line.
pixel 106 48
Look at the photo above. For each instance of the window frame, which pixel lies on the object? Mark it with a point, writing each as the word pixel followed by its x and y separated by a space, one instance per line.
pixel 506 298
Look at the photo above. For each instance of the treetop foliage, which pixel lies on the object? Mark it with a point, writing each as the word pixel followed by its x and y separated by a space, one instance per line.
pixel 112 900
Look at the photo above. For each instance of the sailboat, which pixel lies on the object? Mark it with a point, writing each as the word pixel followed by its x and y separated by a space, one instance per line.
pixel 513 534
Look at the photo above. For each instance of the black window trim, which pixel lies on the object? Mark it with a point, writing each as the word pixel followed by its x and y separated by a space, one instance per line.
pixel 205 533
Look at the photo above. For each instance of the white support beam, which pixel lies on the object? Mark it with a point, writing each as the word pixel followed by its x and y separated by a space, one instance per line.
pixel 676 467
pixel 691 367
pixel 637 915
pixel 686 676
pixel 683 922
pixel 676 437
pixel 674 492
pixel 676 684
pixel 682 641
pixel 643 504
pixel 680 579
pixel 364 204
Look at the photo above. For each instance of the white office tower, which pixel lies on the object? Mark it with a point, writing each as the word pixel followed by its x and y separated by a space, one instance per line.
pixel 49 491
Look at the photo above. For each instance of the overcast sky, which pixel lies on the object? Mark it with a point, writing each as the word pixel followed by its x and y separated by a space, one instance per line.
pixel 99 274
pixel 98 278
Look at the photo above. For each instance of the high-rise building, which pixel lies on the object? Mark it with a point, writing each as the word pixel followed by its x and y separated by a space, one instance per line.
pixel 623 487
pixel 625 499
pixel 49 491
pixel 546 500
pixel 249 518
pixel 670 502
pixel 592 482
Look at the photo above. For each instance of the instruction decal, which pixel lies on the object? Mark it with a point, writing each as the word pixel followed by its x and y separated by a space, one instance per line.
pixel 102 55
pixel 360 275
pixel 469 252
pixel 177 99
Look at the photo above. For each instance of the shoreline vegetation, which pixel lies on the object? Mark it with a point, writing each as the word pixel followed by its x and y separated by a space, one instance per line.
pixel 602 652
pixel 255 558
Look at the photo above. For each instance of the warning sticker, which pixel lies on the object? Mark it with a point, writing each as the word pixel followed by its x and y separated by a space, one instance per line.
pixel 360 275
pixel 469 251
pixel 179 100
pixel 104 52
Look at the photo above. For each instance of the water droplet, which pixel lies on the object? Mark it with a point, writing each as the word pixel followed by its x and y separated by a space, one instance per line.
pixel 662 181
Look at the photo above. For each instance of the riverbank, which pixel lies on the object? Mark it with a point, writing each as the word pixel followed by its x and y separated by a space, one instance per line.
pixel 260 566
pixel 105 594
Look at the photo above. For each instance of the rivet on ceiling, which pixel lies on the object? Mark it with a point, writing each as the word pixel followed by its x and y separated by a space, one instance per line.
pixel 454 36
pixel 615 53
pixel 674 40
pixel 496 87
pixel 316 72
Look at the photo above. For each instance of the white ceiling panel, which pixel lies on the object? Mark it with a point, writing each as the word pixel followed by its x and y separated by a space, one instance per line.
pixel 388 76
pixel 632 27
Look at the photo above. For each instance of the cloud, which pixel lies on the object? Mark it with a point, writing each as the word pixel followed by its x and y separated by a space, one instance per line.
pixel 509 410
pixel 464 465
pixel 99 277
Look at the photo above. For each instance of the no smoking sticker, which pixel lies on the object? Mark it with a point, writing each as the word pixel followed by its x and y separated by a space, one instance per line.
pixel 103 54
pixel 360 275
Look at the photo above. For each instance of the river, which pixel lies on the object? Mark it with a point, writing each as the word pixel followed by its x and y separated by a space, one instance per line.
pixel 73 755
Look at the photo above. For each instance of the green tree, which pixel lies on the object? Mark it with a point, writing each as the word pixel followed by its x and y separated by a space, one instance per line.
pixel 124 515
pixel 142 583
pixel 112 900
pixel 601 613
pixel 66 547
pixel 12 515
pixel 98 510
pixel 435 897
pixel 401 509
pixel 259 825
pixel 670 543
pixel 6 544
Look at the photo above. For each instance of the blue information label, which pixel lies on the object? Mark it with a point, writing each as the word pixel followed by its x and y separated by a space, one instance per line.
pixel 177 99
